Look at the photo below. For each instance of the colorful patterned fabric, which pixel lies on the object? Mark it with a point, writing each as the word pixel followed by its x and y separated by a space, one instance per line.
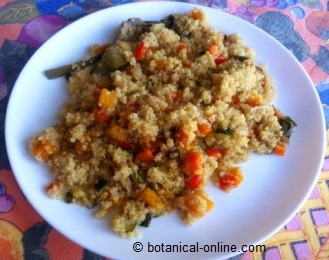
pixel 302 26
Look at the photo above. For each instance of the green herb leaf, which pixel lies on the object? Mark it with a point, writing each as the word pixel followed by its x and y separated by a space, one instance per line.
pixel 227 131
pixel 147 221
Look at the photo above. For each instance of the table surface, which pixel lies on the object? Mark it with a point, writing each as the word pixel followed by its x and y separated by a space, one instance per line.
pixel 26 24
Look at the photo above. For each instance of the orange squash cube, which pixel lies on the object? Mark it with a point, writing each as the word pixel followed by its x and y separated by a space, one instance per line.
pixel 151 198
pixel 107 98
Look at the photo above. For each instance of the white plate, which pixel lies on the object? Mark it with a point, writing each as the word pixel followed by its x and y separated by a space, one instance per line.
pixel 274 187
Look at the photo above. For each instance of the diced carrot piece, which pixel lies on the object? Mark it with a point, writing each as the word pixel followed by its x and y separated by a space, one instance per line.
pixel 204 129
pixel 107 98
pixel 231 179
pixel 187 63
pixel 52 186
pixel 220 59
pixel 103 48
pixel 213 49
pixel 43 150
pixel 255 100
pixel 215 152
pixel 54 189
pixel 280 149
pixel 195 181
pixel 178 95
pixel 145 155
pixel 182 46
pixel 151 198
pixel 100 117
pixel 140 51
pixel 117 133
pixel 192 162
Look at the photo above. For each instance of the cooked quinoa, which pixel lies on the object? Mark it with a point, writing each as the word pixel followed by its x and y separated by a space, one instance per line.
pixel 189 104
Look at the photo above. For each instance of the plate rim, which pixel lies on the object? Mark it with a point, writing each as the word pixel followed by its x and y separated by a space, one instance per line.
pixel 113 8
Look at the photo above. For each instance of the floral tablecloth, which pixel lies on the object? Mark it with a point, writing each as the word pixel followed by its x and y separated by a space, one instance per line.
pixel 302 26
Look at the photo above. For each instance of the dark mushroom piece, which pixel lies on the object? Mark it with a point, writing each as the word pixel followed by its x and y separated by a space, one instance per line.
pixel 169 21
pixel 112 58
pixel 131 29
